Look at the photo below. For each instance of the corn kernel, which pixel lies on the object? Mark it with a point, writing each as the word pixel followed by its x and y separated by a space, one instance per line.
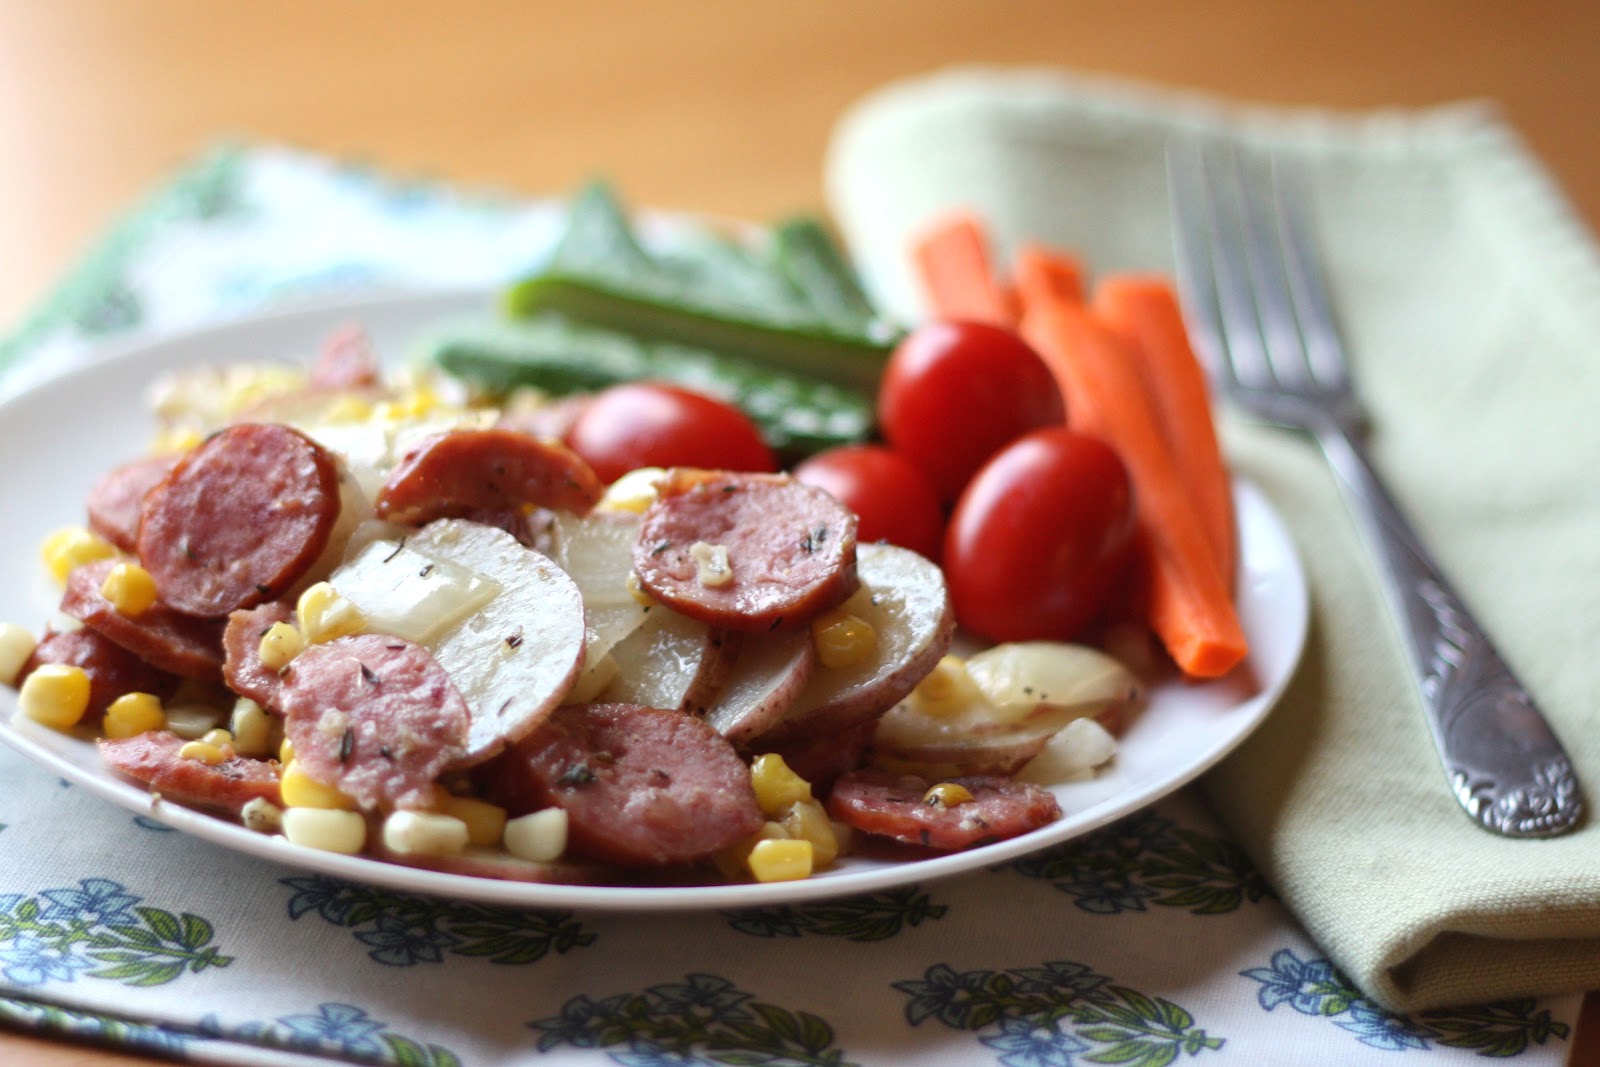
pixel 349 408
pixel 191 721
pixel 807 821
pixel 538 837
pixel 842 639
pixel 203 752
pixel 637 592
pixel 486 822
pixel 324 615
pixel 281 643
pixel 251 728
pixel 776 785
pixel 130 589
pixel 132 714
pixel 70 548
pixel 323 828
pixel 300 790
pixel 16 645
pixel 948 689
pixel 286 752
pixel 780 861
pixel 261 815
pixel 425 833
pixel 734 861
pixel 218 736
pixel 947 795
pixel 55 695
pixel 177 439
pixel 633 492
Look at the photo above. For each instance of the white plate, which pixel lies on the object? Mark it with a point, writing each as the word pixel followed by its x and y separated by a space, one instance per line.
pixel 58 437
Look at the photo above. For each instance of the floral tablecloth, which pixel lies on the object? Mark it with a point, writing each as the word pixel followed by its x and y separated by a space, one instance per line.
pixel 1148 942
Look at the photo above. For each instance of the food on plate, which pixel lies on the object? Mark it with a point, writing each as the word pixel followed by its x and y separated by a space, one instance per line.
pixel 592 632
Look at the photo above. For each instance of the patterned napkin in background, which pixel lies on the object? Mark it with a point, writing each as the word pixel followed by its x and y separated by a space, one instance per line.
pixel 1148 942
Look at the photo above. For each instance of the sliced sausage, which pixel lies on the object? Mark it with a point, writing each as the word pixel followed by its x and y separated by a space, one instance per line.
pixel 241 647
pixel 823 759
pixel 114 500
pixel 889 805
pixel 746 552
pixel 152 759
pixel 112 669
pixel 467 472
pixel 239 518
pixel 346 361
pixel 375 716
pixel 641 786
pixel 167 639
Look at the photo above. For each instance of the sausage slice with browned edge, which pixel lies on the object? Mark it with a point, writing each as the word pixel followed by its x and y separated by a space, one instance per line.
pixel 112 669
pixel 166 639
pixel 890 805
pixel 464 473
pixel 152 759
pixel 750 552
pixel 242 668
pixel 642 787
pixel 113 502
pixel 239 518
pixel 375 716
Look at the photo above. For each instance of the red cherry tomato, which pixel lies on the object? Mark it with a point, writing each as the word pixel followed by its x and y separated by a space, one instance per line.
pixel 1040 538
pixel 954 393
pixel 648 424
pixel 893 499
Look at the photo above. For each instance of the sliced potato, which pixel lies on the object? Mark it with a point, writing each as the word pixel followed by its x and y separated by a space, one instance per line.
pixel 596 550
pixel 769 674
pixel 1013 699
pixel 670 661
pixel 513 656
pixel 903 598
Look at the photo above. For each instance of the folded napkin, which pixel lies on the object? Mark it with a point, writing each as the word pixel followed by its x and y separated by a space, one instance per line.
pixel 1148 941
pixel 1470 296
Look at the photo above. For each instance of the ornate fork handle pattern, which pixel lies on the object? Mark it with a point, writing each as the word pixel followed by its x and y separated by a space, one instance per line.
pixel 1505 764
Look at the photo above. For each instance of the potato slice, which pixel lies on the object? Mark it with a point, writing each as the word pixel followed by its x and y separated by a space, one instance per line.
pixel 769 675
pixel 903 598
pixel 1010 700
pixel 513 654
pixel 670 661
pixel 596 550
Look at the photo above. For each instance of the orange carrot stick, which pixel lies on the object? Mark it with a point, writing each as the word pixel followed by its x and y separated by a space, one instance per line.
pixel 1190 608
pixel 952 258
pixel 1046 274
pixel 1143 311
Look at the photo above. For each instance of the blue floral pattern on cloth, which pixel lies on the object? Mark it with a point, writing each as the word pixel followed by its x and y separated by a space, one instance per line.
pixel 403 929
pixel 705 1019
pixel 1146 858
pixel 1047 1015
pixel 867 918
pixel 96 929
pixel 1315 987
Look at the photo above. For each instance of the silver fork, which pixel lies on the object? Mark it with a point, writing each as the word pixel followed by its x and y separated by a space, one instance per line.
pixel 1254 294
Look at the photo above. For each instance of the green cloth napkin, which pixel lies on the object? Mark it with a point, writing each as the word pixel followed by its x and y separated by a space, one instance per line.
pixel 1470 297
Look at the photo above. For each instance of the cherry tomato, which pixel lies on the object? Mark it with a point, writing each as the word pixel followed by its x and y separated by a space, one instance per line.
pixel 893 499
pixel 1040 538
pixel 954 393
pixel 649 424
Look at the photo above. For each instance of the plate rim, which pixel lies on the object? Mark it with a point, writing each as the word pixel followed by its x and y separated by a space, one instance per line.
pixel 315 316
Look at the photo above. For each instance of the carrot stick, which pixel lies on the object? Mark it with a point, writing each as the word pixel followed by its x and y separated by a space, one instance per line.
pixel 952 259
pixel 1046 274
pixel 1143 311
pixel 1190 608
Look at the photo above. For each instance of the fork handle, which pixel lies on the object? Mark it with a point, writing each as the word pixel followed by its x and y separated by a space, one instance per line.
pixel 1505 764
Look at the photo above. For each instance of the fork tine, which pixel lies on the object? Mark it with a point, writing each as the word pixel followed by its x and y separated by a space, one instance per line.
pixel 1186 200
pixel 1211 210
pixel 1307 282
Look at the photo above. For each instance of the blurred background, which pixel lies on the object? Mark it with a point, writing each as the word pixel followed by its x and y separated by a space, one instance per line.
pixel 692 104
